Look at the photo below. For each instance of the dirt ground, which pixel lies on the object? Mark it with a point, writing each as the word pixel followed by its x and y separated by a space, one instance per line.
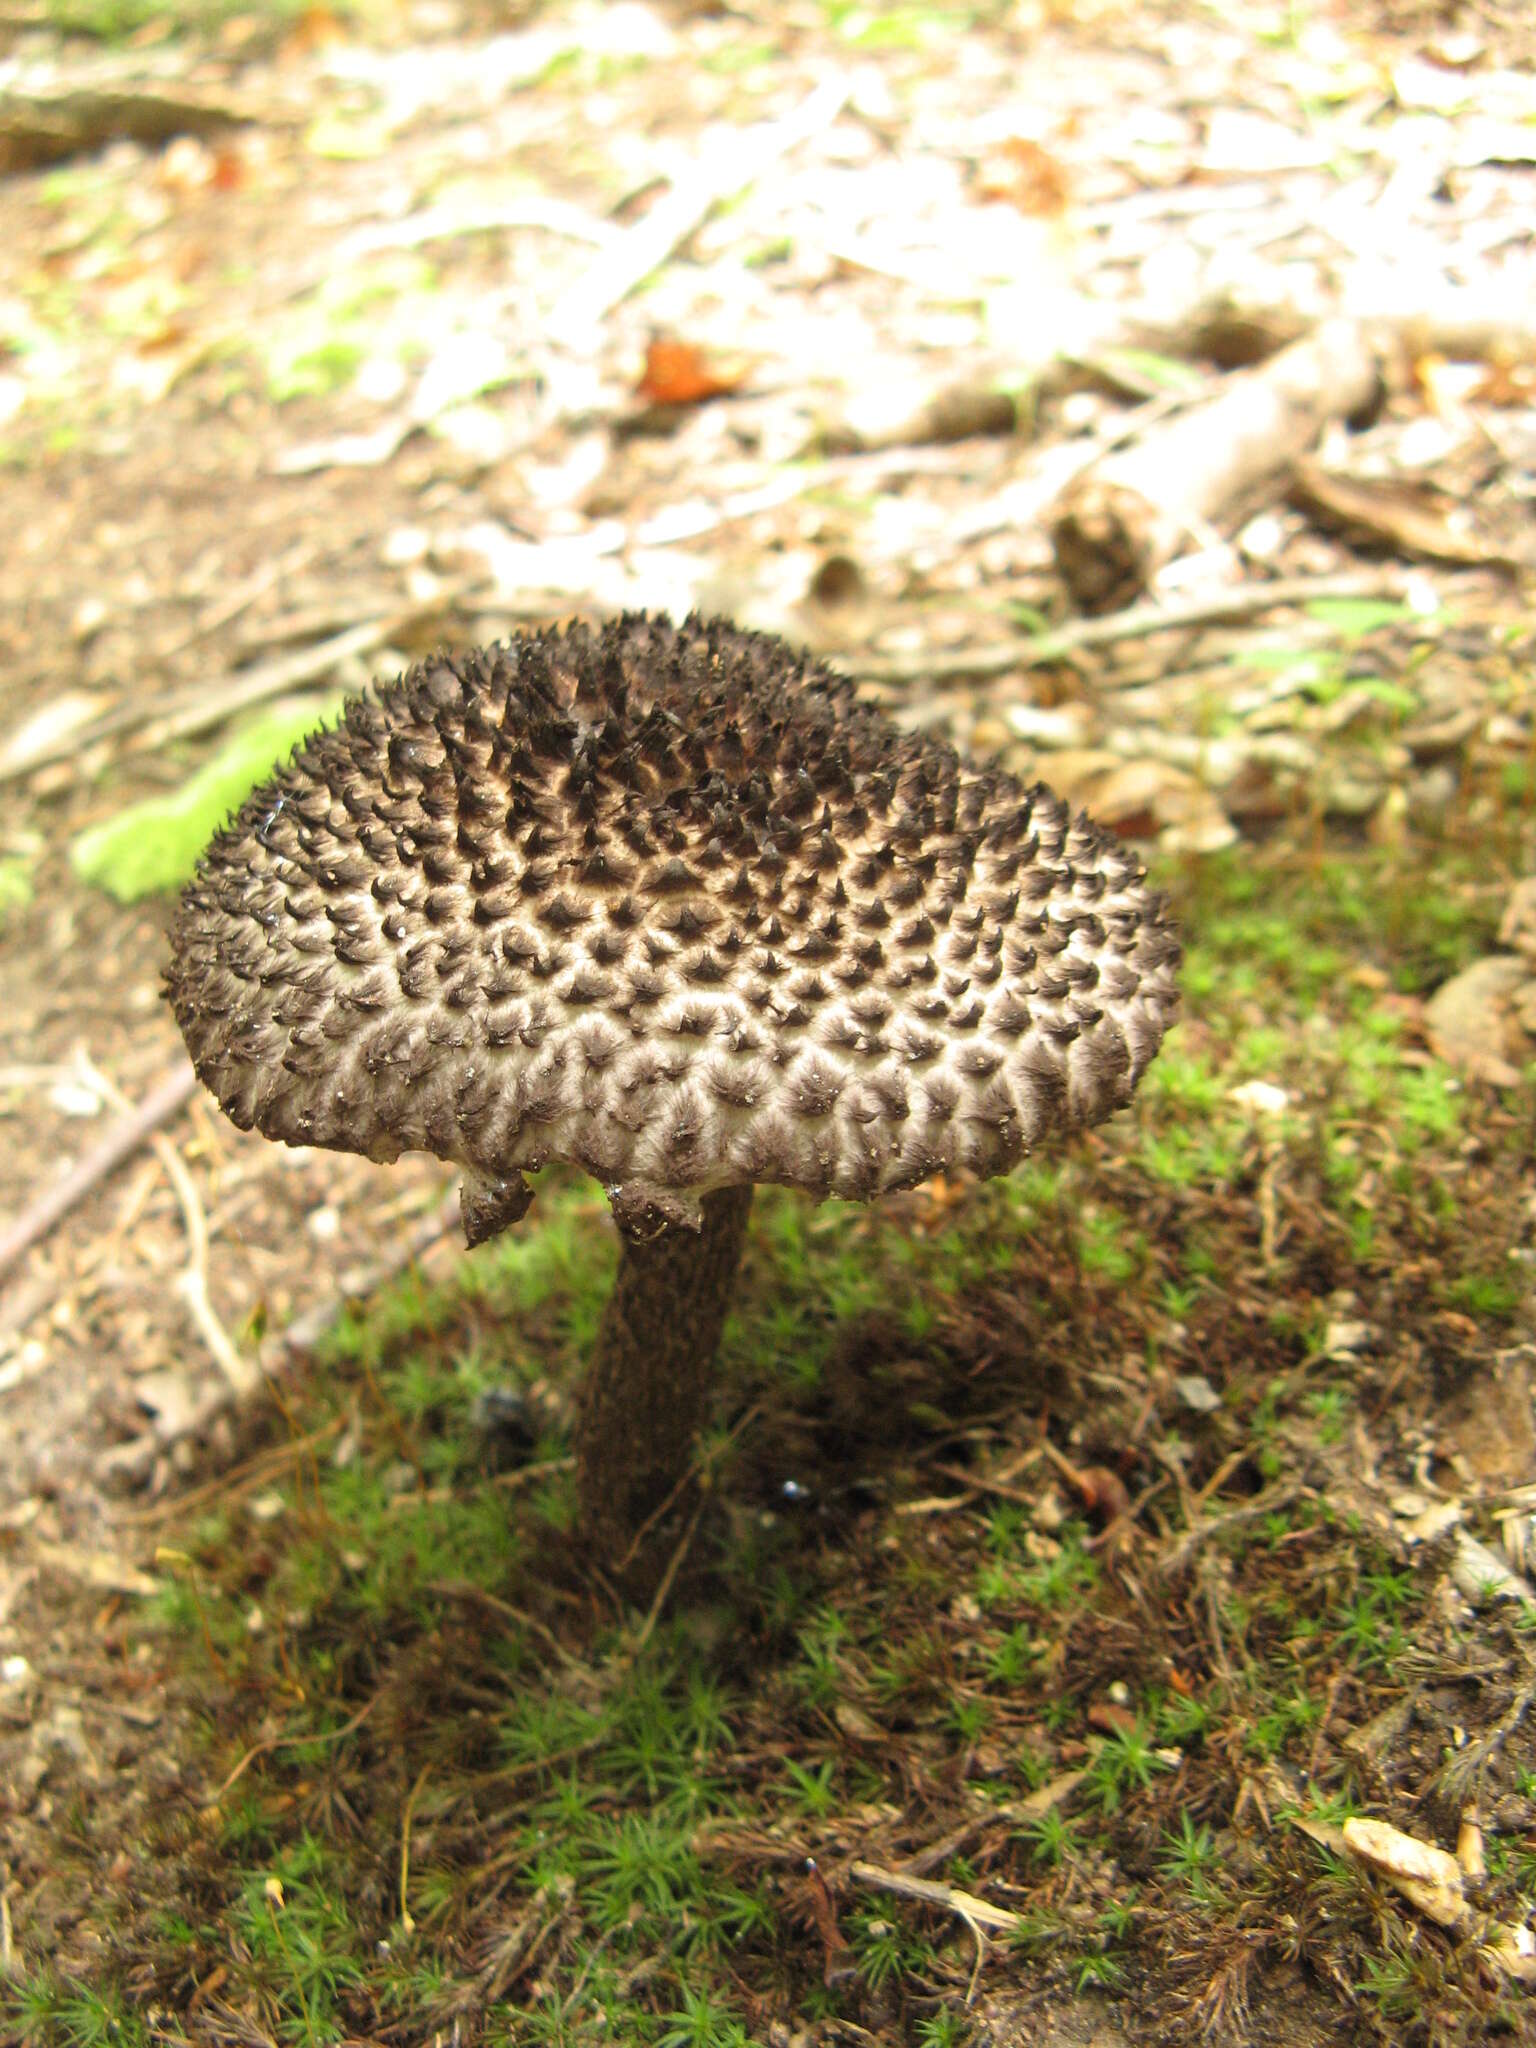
pixel 361 355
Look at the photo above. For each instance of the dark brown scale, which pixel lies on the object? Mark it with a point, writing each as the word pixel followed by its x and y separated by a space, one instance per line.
pixel 586 987
pixel 564 913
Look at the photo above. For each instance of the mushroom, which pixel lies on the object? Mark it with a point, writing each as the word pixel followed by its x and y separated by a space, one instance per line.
pixel 669 904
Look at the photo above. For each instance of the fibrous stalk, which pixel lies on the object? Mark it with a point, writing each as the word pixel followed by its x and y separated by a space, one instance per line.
pixel 647 1387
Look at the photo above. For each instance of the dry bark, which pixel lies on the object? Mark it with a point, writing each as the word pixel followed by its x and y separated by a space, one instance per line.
pixel 1119 522
pixel 38 129
pixel 647 1385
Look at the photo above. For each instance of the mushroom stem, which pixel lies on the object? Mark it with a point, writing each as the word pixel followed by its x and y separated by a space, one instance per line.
pixel 646 1387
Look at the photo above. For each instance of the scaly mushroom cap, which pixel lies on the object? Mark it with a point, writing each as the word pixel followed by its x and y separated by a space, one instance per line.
pixel 668 903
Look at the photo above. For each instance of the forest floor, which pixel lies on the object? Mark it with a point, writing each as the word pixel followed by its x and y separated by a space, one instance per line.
pixel 1071 1559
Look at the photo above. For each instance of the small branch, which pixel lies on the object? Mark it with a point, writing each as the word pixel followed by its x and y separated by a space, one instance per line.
pixel 215 706
pixel 1200 1533
pixel 243 596
pixel 1460 1771
pixel 131 1130
pixel 477 1596
pixel 578 316
pixel 241 1376
pixel 668 1580
pixel 1136 622
pixel 976 1912
pixel 1117 524
pixel 198 710
pixel 290 1741
pixel 306 1331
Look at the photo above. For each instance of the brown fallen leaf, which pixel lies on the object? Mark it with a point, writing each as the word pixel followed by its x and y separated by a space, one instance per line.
pixel 677 373
pixel 1026 174
pixel 1409 520
pixel 1110 1718
pixel 824 1913
pixel 1426 1876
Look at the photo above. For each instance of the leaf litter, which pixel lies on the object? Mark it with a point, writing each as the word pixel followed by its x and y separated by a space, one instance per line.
pixel 1158 1405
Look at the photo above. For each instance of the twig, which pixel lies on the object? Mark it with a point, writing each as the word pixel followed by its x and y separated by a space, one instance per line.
pixel 124 1138
pixel 243 596
pixel 535 211
pixel 1013 1813
pixel 467 1590
pixel 1136 622
pixel 294 1741
pixel 592 1956
pixel 306 1331
pixel 668 1579
pixel 240 1374
pixel 577 317
pixel 1200 1533
pixel 1463 1765
pixel 197 710
pixel 7 1939
pixel 694 1473
pixel 209 707
pixel 232 1485
pixel 297 1341
pixel 979 1482
pixel 978 1913
pixel 526 1475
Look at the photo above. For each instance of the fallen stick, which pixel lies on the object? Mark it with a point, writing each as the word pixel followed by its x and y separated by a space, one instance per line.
pixel 195 711
pixel 131 1130
pixel 48 128
pixel 305 1331
pixel 239 692
pixel 977 1912
pixel 578 315
pixel 240 1374
pixel 1136 622
pixel 1123 519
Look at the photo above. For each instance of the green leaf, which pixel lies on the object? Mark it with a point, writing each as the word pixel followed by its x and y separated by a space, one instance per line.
pixel 1144 365
pixel 1353 617
pixel 15 886
pixel 155 844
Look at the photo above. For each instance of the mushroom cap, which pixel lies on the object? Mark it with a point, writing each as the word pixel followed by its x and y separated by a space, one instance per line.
pixel 668 903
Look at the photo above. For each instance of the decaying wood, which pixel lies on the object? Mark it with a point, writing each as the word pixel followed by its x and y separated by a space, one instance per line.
pixel 48 128
pixel 1122 520
pixel 204 706
pixel 1396 514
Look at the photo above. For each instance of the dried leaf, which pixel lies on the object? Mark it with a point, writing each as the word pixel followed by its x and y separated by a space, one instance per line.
pixel 1026 174
pixel 677 373
pixel 1427 1877
pixel 1409 520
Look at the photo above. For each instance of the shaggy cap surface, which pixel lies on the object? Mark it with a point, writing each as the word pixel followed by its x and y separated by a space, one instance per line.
pixel 667 903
